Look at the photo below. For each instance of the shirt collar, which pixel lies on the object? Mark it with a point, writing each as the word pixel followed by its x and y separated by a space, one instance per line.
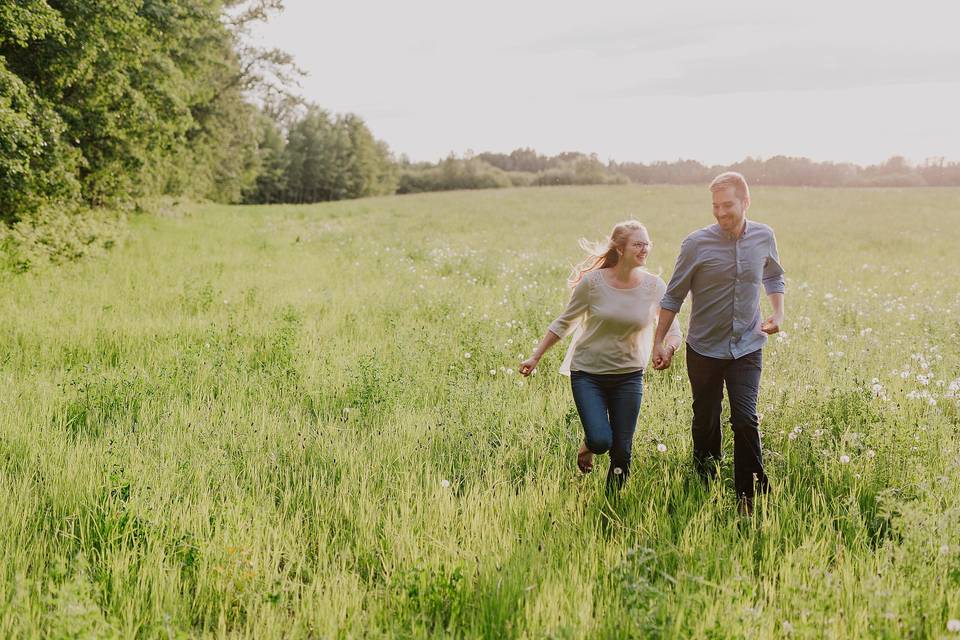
pixel 743 233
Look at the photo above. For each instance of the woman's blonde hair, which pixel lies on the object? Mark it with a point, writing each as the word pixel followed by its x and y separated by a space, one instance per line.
pixel 603 255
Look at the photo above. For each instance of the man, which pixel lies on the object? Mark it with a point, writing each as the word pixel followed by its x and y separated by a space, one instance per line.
pixel 723 266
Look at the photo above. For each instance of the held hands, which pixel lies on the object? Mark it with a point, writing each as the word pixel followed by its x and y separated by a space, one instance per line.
pixel 662 356
pixel 772 324
pixel 527 366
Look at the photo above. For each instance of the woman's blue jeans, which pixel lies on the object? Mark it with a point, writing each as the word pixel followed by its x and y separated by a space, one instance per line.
pixel 609 405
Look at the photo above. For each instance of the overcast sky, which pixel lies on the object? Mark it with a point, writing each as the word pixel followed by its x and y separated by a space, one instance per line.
pixel 711 81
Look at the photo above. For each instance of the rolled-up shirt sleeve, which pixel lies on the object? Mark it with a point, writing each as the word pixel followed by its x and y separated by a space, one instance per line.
pixel 679 285
pixel 773 281
pixel 579 301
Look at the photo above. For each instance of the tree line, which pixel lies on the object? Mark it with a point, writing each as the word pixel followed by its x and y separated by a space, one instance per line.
pixel 777 170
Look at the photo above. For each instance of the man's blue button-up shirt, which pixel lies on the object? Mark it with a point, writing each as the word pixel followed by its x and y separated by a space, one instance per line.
pixel 724 275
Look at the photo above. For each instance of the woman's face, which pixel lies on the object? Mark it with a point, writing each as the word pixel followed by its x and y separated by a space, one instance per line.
pixel 636 249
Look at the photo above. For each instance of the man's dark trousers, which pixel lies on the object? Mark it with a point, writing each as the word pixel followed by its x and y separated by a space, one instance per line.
pixel 742 377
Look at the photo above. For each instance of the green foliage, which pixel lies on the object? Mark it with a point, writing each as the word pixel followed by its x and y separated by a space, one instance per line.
pixel 140 88
pixel 106 103
pixel 36 166
pixel 323 159
pixel 102 75
pixel 579 172
pixel 23 21
pixel 56 235
pixel 270 185
pixel 479 172
pixel 452 173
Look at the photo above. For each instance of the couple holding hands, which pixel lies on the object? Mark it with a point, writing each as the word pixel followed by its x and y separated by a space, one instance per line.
pixel 622 317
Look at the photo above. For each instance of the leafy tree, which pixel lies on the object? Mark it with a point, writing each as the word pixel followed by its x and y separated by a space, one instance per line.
pixel 270 185
pixel 36 165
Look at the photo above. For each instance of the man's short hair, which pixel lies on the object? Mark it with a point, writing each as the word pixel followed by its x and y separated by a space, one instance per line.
pixel 732 179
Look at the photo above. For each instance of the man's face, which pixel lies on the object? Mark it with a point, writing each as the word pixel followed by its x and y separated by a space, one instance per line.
pixel 728 209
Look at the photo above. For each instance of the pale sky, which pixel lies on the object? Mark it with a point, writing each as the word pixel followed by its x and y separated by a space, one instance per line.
pixel 711 81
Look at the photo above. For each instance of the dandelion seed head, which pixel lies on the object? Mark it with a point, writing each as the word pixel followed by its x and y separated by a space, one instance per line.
pixel 953 625
pixel 445 483
pixel 844 459
pixel 662 448
pixel 467 355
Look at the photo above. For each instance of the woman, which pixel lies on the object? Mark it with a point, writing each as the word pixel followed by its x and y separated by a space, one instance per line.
pixel 613 309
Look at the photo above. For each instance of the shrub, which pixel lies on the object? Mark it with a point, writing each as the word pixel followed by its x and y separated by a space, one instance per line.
pixel 453 173
pixel 58 235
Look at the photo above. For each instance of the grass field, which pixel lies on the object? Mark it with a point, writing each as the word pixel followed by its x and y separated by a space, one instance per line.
pixel 306 422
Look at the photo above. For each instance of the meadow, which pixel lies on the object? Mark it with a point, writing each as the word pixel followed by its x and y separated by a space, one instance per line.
pixel 306 422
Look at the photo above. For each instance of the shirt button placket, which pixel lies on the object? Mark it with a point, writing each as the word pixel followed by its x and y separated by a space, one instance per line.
pixel 736 336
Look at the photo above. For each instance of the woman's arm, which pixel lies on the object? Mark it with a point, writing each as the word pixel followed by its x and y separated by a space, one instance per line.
pixel 667 338
pixel 549 339
pixel 559 328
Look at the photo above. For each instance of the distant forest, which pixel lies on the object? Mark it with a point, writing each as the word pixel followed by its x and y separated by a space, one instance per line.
pixel 111 107
pixel 525 167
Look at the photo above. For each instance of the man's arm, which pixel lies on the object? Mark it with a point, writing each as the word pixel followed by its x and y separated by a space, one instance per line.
pixel 677 290
pixel 773 284
pixel 682 278
pixel 772 324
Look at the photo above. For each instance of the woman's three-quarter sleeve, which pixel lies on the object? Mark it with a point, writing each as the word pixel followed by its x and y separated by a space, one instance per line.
pixel 579 302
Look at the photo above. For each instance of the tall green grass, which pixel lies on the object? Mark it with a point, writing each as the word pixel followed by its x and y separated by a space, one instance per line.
pixel 306 422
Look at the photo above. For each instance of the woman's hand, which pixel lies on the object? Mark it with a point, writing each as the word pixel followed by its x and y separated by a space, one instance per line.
pixel 527 366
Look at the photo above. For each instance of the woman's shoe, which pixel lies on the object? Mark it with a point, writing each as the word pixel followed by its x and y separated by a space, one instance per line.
pixel 584 459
